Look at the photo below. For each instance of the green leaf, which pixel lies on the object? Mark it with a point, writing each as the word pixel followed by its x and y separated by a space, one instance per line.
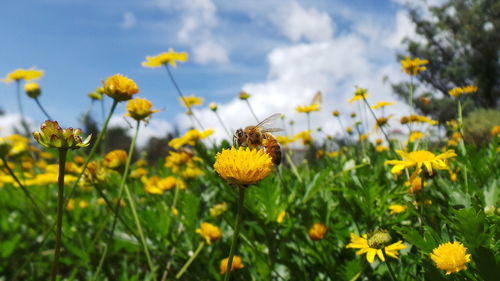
pixel 471 225
pixel 412 236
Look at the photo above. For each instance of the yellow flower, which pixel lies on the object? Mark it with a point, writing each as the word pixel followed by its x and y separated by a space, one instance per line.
pixel 359 94
pixel 381 148
pixel 381 122
pixel 53 136
pixel 218 209
pixel 209 232
pixel 413 67
pixel 364 247
pixel 396 209
pixel 189 101
pixel 213 106
pixel 305 136
pixel 244 95
pixel 235 265
pixel 138 173
pixel 32 89
pixel 115 159
pixel 382 104
pixel 70 206
pixel 284 140
pixel 336 113
pixel 495 130
pixel 416 185
pixel 363 137
pixel 451 257
pixel 349 130
pixel 96 94
pixel 83 204
pixel 281 216
pixel 320 153
pixel 317 231
pixel 120 87
pixel 420 158
pixel 155 185
pixel 307 108
pixel 333 154
pixel 139 109
pixel 415 135
pixel 190 138
pixel 456 92
pixel 165 58
pixel 243 166
pixel 23 74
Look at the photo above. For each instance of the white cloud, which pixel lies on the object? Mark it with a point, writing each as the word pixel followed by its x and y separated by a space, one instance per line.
pixel 210 51
pixel 11 124
pixel 155 128
pixel 128 21
pixel 297 23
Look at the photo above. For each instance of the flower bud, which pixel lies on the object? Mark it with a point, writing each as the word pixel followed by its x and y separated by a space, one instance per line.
pixel 32 89
pixel 53 136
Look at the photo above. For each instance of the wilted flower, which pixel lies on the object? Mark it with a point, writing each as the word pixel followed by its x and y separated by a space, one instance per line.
pixel 235 265
pixel 413 66
pixel 243 166
pixel 120 87
pixel 32 89
pixel 53 136
pixel 317 231
pixel 139 109
pixel 209 232
pixel 451 257
pixel 169 57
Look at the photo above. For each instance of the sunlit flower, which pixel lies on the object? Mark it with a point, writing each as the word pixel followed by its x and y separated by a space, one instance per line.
pixel 138 173
pixel 32 89
pixel 139 109
pixel 415 135
pixel 374 244
pixel 235 265
pixel 209 232
pixel 359 94
pixel 413 66
pixel 382 104
pixel 115 159
pixel 244 95
pixel 190 138
pixel 23 74
pixel 189 101
pixel 169 57
pixel 156 185
pixel 307 108
pixel 381 148
pixel 281 216
pixel 218 209
pixel 243 166
pixel 284 140
pixel 317 231
pixel 120 87
pixel 456 92
pixel 451 257
pixel 305 136
pixel 396 209
pixel 53 136
pixel 83 204
pixel 420 158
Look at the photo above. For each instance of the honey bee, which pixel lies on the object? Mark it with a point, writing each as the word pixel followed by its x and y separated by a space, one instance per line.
pixel 259 135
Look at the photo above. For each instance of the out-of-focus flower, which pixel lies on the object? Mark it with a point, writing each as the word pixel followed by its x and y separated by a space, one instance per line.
pixel 190 138
pixel 5 147
pixel 235 265
pixel 244 95
pixel 336 113
pixel 155 185
pixel 281 216
pixel 83 204
pixel 317 231
pixel 209 232
pixel 451 257
pixel 320 153
pixel 213 106
pixel 169 57
pixel 18 144
pixel 382 122
pixel 495 131
pixel 359 94
pixel 382 104
pixel 218 209
pixel 456 92
pixel 413 66
pixel 374 244
pixel 333 154
pixel 189 101
pixel 305 136
pixel 70 206
pixel 415 135
pixel 362 137
pixel 396 209
pixel 97 94
pixel 140 109
pixel 23 74
pixel 381 148
pixel 415 185
pixel 243 166
pixel 349 130
pixel 120 88
pixel 32 89
pixel 420 158
pixel 53 136
pixel 138 173
pixel 307 108
pixel 115 159
pixel 284 140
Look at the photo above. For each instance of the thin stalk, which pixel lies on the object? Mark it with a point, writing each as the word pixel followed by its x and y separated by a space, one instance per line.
pixel 308 121
pixel 101 261
pixel 381 127
pixel 21 111
pixel 236 233
pixel 43 109
pixel 461 130
pixel 181 95
pixel 393 277
pixel 251 110
pixel 103 150
pixel 410 100
pixel 60 205
pixel 223 126
pixel 191 259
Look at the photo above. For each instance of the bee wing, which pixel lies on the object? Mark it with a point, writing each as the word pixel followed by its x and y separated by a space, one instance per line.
pixel 317 98
pixel 268 120
pixel 271 130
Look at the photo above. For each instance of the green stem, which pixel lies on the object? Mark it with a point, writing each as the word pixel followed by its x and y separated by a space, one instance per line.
pixel 308 122
pixel 461 130
pixel 410 100
pixel 191 259
pixel 43 109
pixel 60 205
pixel 391 146
pixel 393 277
pixel 223 126
pixel 236 233
pixel 251 110
pixel 101 261
pixel 21 111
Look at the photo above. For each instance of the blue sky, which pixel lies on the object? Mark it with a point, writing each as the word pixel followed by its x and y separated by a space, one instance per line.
pixel 281 52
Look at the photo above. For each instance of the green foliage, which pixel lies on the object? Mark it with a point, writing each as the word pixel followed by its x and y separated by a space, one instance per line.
pixel 478 125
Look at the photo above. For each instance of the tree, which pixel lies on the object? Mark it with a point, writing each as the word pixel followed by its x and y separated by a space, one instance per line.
pixel 461 40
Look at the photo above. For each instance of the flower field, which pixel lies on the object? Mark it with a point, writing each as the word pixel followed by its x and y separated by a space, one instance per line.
pixel 368 204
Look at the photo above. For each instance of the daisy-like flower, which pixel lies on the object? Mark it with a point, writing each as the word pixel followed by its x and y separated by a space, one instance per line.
pixel 413 66
pixel 235 265
pixel 374 244
pixel 359 94
pixel 190 138
pixel 284 140
pixel 53 136
pixel 209 232
pixel 317 231
pixel 243 166
pixel 396 209
pixel 451 257
pixel 189 101
pixel 420 158
pixel 307 108
pixel 120 87
pixel 23 74
pixel 382 104
pixel 140 109
pixel 115 159
pixel 456 92
pixel 169 57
